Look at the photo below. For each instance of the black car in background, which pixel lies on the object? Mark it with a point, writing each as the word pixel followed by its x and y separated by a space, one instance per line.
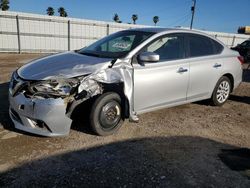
pixel 244 50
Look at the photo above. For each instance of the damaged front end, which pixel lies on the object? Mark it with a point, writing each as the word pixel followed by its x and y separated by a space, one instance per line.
pixel 45 107
pixel 39 106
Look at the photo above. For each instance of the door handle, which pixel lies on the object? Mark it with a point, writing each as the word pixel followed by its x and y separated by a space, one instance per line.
pixel 216 65
pixel 180 70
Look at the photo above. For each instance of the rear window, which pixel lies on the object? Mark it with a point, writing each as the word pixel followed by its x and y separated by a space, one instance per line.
pixel 217 47
pixel 200 46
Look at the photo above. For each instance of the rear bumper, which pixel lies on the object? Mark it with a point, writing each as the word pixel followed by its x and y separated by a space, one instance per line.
pixel 44 117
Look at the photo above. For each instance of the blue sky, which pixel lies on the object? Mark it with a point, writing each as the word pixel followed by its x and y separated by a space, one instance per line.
pixel 214 15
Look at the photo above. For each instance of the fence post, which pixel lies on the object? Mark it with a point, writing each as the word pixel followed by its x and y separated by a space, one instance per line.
pixel 68 35
pixel 18 34
pixel 233 40
pixel 107 29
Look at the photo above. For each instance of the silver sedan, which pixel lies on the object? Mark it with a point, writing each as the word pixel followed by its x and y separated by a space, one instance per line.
pixel 120 76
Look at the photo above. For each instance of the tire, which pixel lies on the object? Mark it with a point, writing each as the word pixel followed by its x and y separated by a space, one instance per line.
pixel 221 91
pixel 106 114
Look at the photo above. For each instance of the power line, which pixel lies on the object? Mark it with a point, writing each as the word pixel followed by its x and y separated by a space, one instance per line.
pixel 185 20
pixel 181 19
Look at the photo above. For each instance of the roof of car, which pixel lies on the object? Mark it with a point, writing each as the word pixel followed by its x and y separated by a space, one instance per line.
pixel 158 29
pixel 163 30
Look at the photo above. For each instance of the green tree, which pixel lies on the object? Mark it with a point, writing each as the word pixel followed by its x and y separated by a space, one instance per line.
pixel 156 19
pixel 134 18
pixel 4 5
pixel 116 18
pixel 62 12
pixel 50 11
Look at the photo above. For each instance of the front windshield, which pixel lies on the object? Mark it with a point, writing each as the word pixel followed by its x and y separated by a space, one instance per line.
pixel 116 45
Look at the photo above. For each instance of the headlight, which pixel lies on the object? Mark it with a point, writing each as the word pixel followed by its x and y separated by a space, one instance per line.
pixel 16 84
pixel 56 87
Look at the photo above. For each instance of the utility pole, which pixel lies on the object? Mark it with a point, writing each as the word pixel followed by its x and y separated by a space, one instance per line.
pixel 193 11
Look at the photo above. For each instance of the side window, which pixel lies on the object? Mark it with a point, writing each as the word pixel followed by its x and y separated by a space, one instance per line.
pixel 200 46
pixel 168 47
pixel 217 47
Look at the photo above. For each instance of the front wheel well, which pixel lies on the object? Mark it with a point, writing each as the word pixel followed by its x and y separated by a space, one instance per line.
pixel 119 89
pixel 84 107
pixel 231 78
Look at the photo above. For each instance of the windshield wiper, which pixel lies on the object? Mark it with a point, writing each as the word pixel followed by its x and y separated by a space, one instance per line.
pixel 89 54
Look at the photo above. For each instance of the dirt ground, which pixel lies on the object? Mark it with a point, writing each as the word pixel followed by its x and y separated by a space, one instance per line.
pixel 194 145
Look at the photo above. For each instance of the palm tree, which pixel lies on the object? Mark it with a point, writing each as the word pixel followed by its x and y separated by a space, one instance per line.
pixel 116 18
pixel 4 5
pixel 62 12
pixel 156 19
pixel 50 11
pixel 134 18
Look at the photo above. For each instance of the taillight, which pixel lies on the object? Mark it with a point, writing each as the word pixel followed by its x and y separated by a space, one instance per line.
pixel 241 59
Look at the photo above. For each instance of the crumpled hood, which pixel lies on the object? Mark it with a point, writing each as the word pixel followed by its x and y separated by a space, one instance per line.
pixel 68 64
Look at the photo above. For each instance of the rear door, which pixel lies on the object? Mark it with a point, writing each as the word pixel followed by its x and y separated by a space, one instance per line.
pixel 205 65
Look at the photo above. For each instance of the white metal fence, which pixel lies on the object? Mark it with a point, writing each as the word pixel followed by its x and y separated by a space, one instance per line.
pixel 23 32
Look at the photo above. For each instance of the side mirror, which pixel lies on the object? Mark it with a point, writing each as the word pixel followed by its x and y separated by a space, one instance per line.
pixel 149 57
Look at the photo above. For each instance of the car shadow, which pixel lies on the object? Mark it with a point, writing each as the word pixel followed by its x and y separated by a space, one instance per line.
pixel 179 161
pixel 246 74
pixel 80 117
pixel 205 102
pixel 241 99
pixel 5 120
pixel 82 126
pixel 236 159
pixel 236 98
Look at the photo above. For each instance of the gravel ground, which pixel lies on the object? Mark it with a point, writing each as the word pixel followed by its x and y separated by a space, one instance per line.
pixel 194 145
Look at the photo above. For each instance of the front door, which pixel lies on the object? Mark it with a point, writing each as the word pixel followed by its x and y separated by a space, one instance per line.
pixel 165 82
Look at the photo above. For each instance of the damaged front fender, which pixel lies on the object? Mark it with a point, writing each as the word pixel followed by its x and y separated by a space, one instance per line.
pixel 93 84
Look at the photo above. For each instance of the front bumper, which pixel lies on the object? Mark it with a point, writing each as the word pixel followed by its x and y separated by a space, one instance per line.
pixel 46 117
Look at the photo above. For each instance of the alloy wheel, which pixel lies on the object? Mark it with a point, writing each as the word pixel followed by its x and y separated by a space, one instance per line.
pixel 223 91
